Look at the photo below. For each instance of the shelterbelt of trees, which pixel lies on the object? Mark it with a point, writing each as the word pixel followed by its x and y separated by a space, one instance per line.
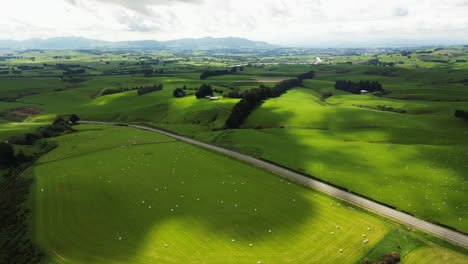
pixel 253 97
pixel 140 90
pixel 356 87
pixel 207 74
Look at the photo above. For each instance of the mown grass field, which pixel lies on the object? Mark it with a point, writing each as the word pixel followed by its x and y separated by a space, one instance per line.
pixel 120 195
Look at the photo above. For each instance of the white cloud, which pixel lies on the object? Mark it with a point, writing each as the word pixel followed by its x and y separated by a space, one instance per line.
pixel 400 11
pixel 278 21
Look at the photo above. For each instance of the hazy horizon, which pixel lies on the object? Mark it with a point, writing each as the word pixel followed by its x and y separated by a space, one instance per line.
pixel 287 23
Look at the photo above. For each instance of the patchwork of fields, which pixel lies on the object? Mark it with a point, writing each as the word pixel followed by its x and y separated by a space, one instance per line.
pixel 120 195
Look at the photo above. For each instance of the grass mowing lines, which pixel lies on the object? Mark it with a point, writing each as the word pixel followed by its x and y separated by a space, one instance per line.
pixel 126 204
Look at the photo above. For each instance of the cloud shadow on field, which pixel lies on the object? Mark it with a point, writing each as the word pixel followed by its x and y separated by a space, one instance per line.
pixel 385 156
pixel 97 206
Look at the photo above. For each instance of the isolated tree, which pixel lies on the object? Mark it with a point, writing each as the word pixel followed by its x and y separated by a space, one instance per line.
pixel 203 91
pixel 178 92
pixel 7 154
pixel 74 119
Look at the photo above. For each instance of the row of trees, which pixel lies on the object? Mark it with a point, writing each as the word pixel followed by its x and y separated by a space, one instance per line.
pixel 58 127
pixel 253 97
pixel 306 75
pixel 149 89
pixel 354 87
pixel 383 108
pixel 140 90
pixel 201 92
pixel 151 72
pixel 72 72
pixel 388 258
pixel 207 74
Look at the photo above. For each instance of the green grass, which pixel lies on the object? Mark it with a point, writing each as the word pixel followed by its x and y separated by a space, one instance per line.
pixel 434 255
pixel 8 130
pixel 397 240
pixel 99 183
pixel 415 162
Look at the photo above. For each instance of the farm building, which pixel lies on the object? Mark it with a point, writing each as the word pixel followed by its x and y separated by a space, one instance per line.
pixel 364 92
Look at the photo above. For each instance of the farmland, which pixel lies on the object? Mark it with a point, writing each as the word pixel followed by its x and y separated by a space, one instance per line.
pixel 145 191
pixel 119 195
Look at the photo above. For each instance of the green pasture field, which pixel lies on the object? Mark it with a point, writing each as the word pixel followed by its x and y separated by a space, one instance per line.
pixel 8 130
pixel 427 138
pixel 414 161
pixel 434 255
pixel 120 195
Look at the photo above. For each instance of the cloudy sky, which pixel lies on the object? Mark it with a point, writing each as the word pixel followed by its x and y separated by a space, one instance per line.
pixel 287 22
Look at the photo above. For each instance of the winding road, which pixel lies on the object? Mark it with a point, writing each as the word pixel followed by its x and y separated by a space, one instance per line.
pixel 447 234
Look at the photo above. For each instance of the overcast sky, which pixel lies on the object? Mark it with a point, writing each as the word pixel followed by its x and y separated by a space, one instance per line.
pixel 276 21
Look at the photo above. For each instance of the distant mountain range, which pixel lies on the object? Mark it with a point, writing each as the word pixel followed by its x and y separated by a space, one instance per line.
pixel 84 43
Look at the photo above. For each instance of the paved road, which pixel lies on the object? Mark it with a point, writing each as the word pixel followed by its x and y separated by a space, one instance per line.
pixel 442 232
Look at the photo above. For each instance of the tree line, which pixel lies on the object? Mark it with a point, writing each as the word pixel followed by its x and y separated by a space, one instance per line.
pixel 356 87
pixel 207 74
pixel 140 90
pixel 388 258
pixel 201 92
pixel 15 244
pixel 253 97
pixel 57 128
pixel 149 89
pixel 383 108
